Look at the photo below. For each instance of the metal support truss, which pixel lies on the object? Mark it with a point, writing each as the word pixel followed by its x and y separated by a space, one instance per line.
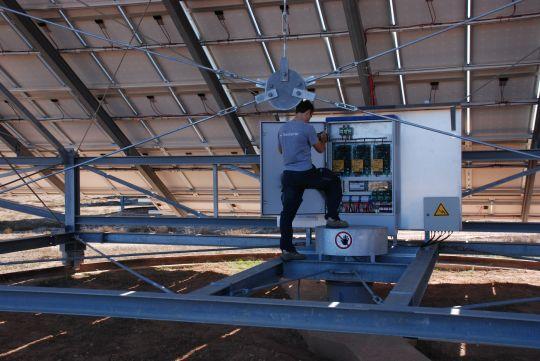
pixel 184 28
pixel 496 183
pixel 467 156
pixel 413 283
pixel 140 160
pixel 33 210
pixel 506 227
pixel 181 240
pixel 343 271
pixel 269 271
pixel 25 244
pixel 20 149
pixel 72 251
pixel 146 192
pixel 532 164
pixel 55 61
pixel 456 325
pixel 72 201
pixel 498 155
pixel 225 222
pixel 489 248
pixel 358 42
pixel 21 109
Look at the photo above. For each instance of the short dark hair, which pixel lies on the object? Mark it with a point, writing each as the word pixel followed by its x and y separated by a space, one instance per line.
pixel 304 106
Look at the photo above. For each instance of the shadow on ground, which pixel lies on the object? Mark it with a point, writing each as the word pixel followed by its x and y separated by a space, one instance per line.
pixel 51 337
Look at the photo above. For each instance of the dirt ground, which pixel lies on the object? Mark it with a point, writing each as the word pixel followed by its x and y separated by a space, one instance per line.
pixel 51 337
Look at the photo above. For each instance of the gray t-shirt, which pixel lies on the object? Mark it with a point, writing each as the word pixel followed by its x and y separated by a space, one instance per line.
pixel 296 139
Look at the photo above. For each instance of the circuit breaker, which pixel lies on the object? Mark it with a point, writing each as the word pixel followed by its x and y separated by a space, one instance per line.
pixel 362 151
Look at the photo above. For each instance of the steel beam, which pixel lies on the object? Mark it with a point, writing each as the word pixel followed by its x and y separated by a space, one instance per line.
pixel 242 170
pixel 530 180
pixel 229 222
pixel 343 271
pixel 497 155
pixel 184 28
pixel 72 199
pixel 454 325
pixel 27 159
pixel 181 240
pixel 500 303
pixel 42 241
pixel 22 151
pixel 492 248
pixel 215 190
pixel 178 160
pixel 146 192
pixel 54 60
pixel 137 160
pixel 241 222
pixel 412 285
pixel 358 42
pixel 496 183
pixel 269 271
pixel 33 210
pixel 505 227
pixel 32 119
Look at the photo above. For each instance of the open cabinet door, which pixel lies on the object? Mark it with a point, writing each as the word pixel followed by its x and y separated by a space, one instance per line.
pixel 272 168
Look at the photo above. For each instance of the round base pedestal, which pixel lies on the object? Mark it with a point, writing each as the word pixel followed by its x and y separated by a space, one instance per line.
pixel 354 241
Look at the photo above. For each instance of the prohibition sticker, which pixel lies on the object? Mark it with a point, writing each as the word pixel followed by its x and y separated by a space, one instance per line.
pixel 441 211
pixel 343 240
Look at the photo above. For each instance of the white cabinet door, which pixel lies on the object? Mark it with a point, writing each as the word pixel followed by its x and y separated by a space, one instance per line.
pixel 272 168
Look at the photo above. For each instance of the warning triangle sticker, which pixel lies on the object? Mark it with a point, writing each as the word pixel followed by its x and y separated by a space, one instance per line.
pixel 441 211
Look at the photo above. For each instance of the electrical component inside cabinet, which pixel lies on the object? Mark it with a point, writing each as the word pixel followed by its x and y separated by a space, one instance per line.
pixel 362 155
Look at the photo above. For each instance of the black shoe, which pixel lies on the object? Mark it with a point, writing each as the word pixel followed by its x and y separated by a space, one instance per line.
pixel 292 256
pixel 336 223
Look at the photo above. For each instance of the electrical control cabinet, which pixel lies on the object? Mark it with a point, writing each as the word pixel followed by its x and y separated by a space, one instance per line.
pixel 386 169
pixel 363 152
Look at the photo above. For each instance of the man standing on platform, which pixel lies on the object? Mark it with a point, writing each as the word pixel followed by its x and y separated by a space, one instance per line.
pixel 295 140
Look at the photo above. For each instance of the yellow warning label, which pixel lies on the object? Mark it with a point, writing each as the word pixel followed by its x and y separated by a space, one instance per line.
pixel 377 165
pixel 357 165
pixel 441 211
pixel 338 165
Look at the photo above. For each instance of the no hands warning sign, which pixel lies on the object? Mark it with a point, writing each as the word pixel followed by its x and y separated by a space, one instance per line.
pixel 441 211
pixel 343 240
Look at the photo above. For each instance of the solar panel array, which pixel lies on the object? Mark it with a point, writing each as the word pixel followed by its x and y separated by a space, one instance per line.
pixel 492 64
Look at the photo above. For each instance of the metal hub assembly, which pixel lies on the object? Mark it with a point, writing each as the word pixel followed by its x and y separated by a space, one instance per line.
pixel 290 89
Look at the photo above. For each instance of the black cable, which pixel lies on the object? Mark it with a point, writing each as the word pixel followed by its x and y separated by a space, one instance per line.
pixel 206 106
pixel 155 109
pixel 428 3
pixel 166 33
pixel 434 12
pixel 497 76
pixel 224 26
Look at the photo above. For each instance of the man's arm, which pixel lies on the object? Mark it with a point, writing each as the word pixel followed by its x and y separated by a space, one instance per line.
pixel 320 146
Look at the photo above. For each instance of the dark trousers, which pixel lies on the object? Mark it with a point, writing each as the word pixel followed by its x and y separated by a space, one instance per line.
pixel 293 185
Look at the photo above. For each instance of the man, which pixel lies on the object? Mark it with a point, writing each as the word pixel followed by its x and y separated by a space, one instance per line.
pixel 295 139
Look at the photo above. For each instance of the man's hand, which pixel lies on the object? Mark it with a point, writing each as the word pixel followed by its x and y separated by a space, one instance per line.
pixel 323 137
